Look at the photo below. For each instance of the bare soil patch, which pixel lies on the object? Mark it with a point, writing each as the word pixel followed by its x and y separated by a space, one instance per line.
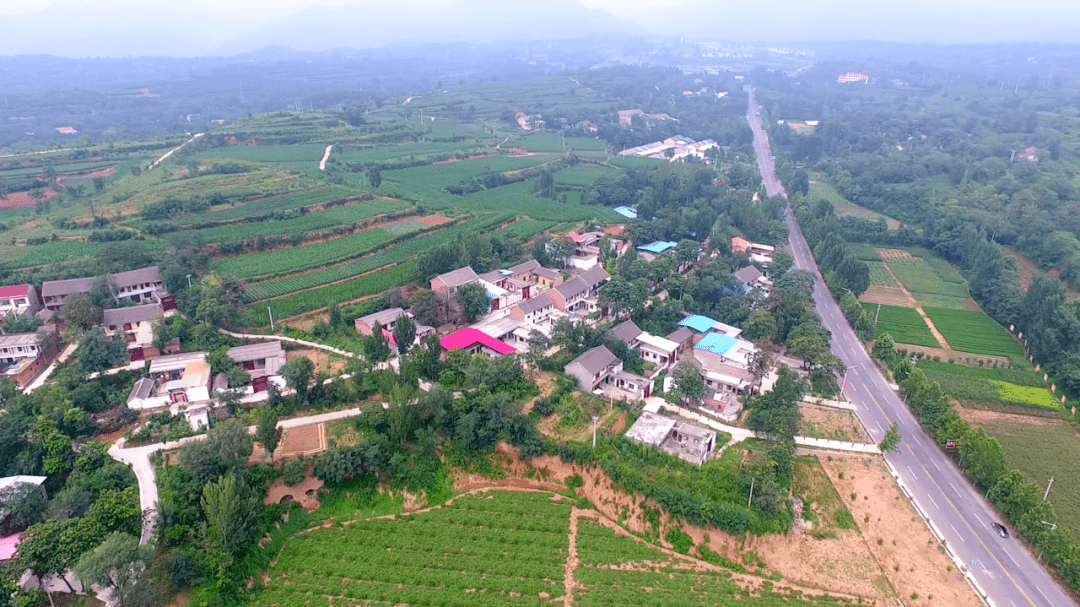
pixel 295 442
pixel 1027 270
pixel 983 416
pixel 906 541
pixel 321 358
pixel 17 200
pixel 299 493
pixel 434 220
pixel 889 296
pixel 895 254
pixel 102 172
pixel 830 423
pixel 473 157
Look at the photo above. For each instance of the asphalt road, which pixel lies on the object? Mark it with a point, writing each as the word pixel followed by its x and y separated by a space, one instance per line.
pixel 1002 568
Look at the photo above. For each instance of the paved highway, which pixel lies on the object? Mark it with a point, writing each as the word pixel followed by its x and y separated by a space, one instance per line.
pixel 1002 568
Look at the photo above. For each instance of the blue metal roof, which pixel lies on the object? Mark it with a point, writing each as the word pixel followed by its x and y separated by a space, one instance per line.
pixel 658 247
pixel 717 343
pixel 701 324
pixel 627 212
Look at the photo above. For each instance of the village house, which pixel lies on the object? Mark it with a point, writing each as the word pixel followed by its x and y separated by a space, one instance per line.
pixel 649 252
pixel 686 441
pixel 136 325
pixel 598 370
pixel 259 359
pixel 661 352
pixel 20 300
pixel 537 310
pixel 22 356
pixel 573 296
pixel 176 378
pixel 547 278
pixel 136 286
pixel 499 297
pixel 754 279
pixel 684 337
pixel 448 284
pixel 586 253
pixel 627 332
pixel 475 341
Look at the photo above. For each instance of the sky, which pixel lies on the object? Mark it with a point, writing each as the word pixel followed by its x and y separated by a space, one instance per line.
pixel 622 8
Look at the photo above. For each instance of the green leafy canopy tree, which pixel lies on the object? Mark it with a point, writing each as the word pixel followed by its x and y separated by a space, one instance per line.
pixel 267 432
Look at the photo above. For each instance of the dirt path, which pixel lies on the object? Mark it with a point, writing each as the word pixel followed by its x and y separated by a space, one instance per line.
pixel 572 560
pixel 325 156
pixel 933 330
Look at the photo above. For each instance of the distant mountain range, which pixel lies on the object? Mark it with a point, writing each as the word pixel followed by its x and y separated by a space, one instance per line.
pixel 116 28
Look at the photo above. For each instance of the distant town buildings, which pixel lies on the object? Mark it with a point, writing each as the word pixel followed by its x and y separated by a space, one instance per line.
pixel 626 117
pixel 677 148
pixel 853 77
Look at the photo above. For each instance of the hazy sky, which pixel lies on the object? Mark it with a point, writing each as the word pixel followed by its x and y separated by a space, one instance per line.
pixel 616 7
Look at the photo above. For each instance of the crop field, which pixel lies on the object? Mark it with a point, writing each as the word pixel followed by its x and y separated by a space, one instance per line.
pixel 864 252
pixel 920 277
pixel 499 548
pixel 879 275
pixel 502 548
pixel 428 178
pixel 292 259
pixel 552 142
pixel 343 215
pixel 1014 375
pixel 904 324
pixel 975 332
pixel 820 189
pixel 994 391
pixel 581 176
pixel 255 315
pixel 617 570
pixel 518 199
pixel 271 204
pixel 402 251
pixel 1038 397
pixel 268 154
pixel 1041 449
pixel 384 153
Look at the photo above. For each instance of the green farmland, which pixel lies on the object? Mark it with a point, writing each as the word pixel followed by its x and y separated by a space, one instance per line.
pixel 975 332
pixel 904 324
pixel 501 548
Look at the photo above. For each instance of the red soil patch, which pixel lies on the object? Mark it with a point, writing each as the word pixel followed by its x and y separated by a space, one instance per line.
pixel 103 172
pixel 473 157
pixel 16 200
pixel 433 220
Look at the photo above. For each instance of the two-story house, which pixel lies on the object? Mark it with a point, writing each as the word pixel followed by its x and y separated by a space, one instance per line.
pixel 183 377
pixel 20 300
pixel 139 286
pixel 537 310
pixel 55 293
pixel 572 296
pixel 447 285
pixel 599 369
pixel 136 324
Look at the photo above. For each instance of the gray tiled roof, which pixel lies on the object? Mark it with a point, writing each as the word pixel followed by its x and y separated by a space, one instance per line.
pixel 595 360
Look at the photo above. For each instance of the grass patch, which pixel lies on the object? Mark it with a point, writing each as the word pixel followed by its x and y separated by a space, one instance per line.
pixel 1039 397
pixel 822 504
pixel 864 252
pixel 975 332
pixel 1042 450
pixel 905 325
pixel 920 277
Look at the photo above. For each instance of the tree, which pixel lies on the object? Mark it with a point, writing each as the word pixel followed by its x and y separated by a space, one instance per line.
pixel 620 295
pixel 884 348
pixel 375 177
pixel 117 562
pixel 891 440
pixel 54 546
pixel 686 384
pixel 267 432
pixel 226 448
pixel 776 413
pixel 376 348
pixel 97 352
pixel 473 299
pixel 424 305
pixel 20 324
pixel 297 373
pixel 404 333
pixel 24 505
pixel 230 508
pixel 80 312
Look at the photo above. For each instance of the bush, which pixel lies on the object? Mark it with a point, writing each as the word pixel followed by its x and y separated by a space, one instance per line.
pixel 294 472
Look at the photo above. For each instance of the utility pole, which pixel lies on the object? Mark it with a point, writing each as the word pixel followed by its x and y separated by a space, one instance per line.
pixel 751 499
pixel 1051 484
pixel 594 420
pixel 271 313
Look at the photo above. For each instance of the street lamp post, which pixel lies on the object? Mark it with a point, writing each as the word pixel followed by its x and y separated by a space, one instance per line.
pixel 189 281
pixel 594 420
pixel 843 382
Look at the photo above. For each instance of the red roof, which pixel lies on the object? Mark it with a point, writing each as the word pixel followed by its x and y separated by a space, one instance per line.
pixel 574 236
pixel 739 244
pixel 465 338
pixel 14 291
